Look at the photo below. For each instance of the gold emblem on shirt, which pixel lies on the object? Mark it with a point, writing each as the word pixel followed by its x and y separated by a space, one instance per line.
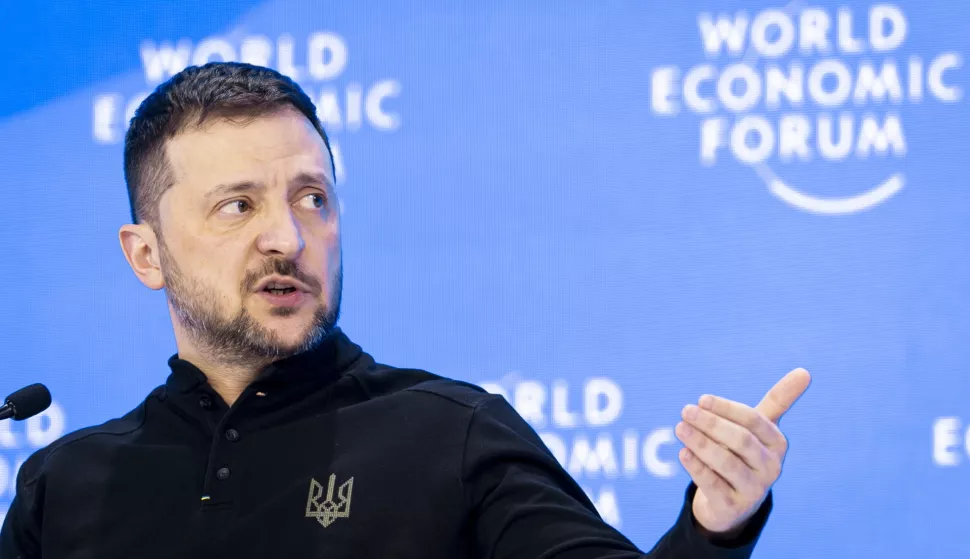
pixel 327 511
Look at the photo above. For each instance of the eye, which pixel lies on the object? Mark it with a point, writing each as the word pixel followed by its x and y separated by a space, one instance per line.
pixel 313 201
pixel 235 207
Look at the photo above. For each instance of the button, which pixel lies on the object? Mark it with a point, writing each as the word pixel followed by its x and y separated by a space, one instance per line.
pixel 205 402
pixel 232 435
pixel 223 474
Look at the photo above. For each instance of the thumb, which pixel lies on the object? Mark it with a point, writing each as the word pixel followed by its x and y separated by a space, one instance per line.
pixel 783 395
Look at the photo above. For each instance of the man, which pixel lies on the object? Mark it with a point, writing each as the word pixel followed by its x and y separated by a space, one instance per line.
pixel 275 435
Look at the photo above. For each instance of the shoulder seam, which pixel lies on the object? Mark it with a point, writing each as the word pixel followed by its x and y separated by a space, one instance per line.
pixel 473 405
pixel 33 479
pixel 464 448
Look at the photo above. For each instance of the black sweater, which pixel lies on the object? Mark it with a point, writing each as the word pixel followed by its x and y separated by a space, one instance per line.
pixel 327 454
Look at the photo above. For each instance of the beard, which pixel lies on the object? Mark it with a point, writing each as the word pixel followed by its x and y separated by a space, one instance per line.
pixel 239 339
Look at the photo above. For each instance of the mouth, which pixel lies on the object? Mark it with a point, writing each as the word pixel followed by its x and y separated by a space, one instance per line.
pixel 277 285
pixel 283 291
pixel 276 290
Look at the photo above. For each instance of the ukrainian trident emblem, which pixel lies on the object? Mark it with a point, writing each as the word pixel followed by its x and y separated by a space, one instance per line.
pixel 326 511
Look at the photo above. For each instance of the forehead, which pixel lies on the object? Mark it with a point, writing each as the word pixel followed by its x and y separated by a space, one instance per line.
pixel 264 148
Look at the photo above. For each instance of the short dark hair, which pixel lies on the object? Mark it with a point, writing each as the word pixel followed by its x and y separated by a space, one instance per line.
pixel 189 99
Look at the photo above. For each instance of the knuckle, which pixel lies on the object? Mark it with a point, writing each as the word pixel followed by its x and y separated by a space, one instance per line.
pixel 761 424
pixel 703 472
pixel 747 440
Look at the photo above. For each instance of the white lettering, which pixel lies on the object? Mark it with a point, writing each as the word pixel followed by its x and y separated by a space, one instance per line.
pixel 814 31
pixel 561 416
pixel 589 462
pixel 946 441
pixel 372 105
pixel 752 87
pixel 869 85
pixel 764 145
pixel 257 50
pixel 662 89
pixel 105 110
pixel 792 85
pixel 934 77
pixel 794 131
pixel 826 144
pixel 651 454
pixel 712 138
pixel 725 31
pixel 753 139
pixel 692 96
pixel 759 33
pixel 879 15
pixel 285 58
pixel 164 61
pixel 606 391
pixel 327 56
pixel 871 135
pixel 843 85
pixel 630 453
pixel 847 43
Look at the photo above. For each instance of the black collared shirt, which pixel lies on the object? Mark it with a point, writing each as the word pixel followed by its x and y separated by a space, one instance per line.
pixel 326 454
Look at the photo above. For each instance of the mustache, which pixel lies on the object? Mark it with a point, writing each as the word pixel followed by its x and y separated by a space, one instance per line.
pixel 284 268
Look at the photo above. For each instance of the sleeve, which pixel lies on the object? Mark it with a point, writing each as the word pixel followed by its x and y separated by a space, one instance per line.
pixel 524 505
pixel 20 534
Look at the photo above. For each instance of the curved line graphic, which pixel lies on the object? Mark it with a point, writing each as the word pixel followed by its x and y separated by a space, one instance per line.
pixel 831 206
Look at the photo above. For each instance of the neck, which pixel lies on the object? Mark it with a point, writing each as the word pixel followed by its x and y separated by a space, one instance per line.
pixel 229 380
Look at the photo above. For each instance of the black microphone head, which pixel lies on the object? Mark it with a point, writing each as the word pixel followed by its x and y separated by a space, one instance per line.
pixel 29 401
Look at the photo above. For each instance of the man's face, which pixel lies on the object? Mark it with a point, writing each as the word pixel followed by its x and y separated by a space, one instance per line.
pixel 249 237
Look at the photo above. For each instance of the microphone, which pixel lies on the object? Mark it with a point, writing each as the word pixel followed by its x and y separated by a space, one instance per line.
pixel 26 402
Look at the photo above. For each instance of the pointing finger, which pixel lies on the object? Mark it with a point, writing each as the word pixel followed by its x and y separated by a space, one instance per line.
pixel 780 398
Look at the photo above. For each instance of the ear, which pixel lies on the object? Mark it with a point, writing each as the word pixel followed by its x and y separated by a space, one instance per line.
pixel 140 246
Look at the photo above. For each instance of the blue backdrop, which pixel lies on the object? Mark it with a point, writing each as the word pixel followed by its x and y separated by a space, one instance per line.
pixel 600 209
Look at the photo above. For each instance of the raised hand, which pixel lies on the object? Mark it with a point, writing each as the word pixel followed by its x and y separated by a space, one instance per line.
pixel 734 453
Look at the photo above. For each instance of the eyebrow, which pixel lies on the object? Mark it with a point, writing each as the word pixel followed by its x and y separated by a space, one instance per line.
pixel 301 179
pixel 234 188
pixel 308 179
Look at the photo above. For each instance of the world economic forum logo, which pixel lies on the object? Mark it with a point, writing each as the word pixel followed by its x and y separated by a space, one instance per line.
pixel 317 61
pixel 802 85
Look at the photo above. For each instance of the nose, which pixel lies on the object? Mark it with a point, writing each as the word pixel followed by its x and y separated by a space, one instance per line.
pixel 281 236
